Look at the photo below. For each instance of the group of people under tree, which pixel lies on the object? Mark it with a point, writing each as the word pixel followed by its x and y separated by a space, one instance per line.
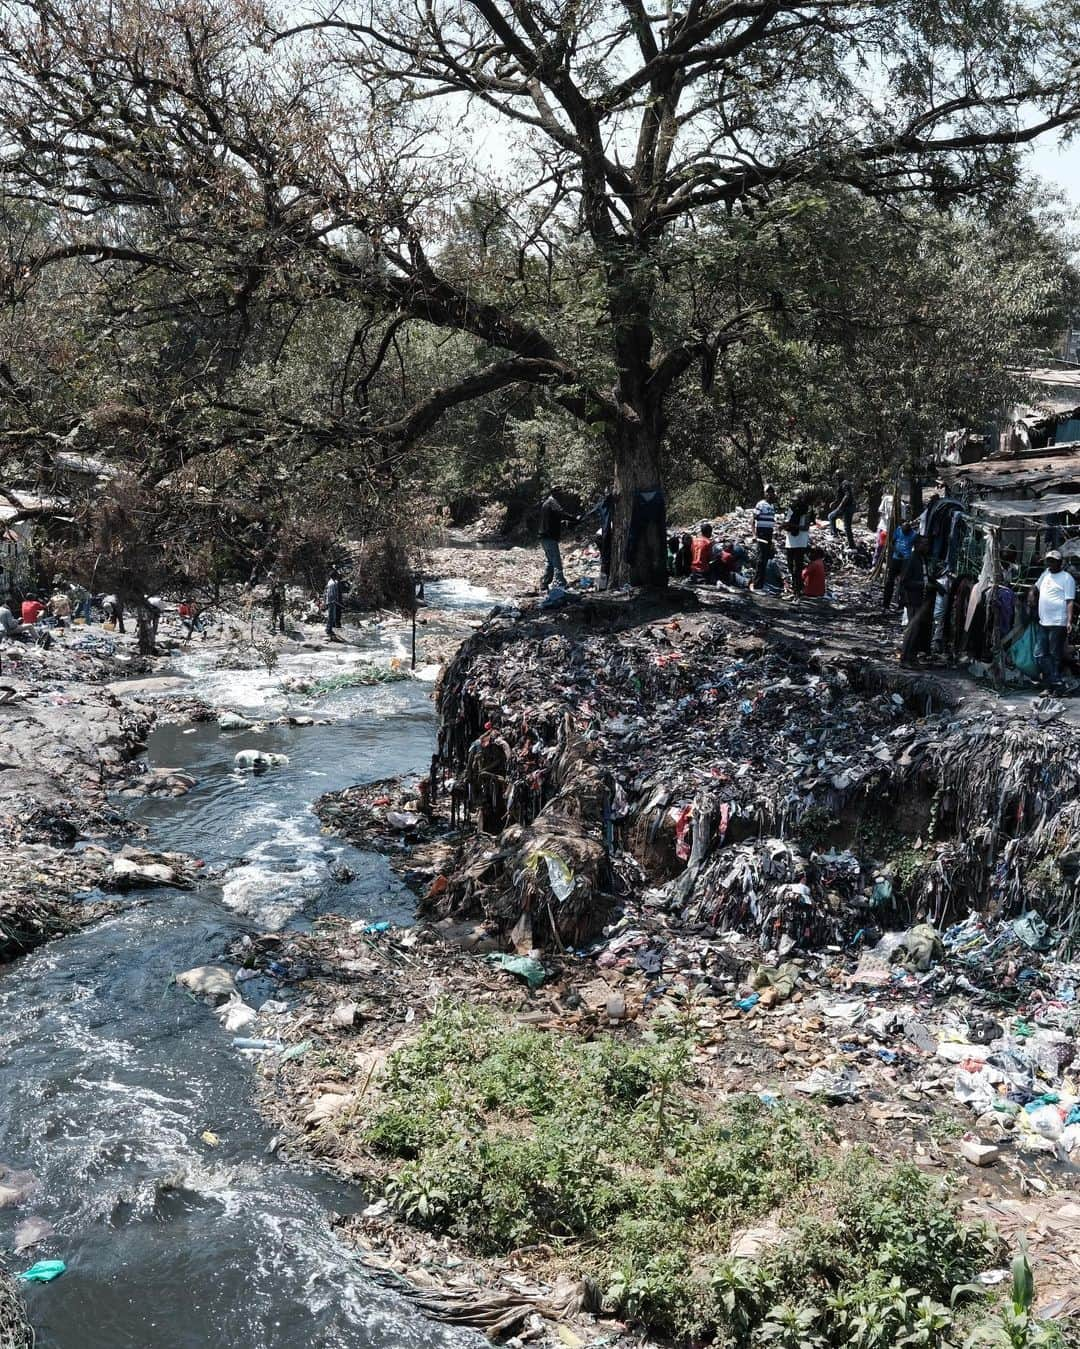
pixel 703 558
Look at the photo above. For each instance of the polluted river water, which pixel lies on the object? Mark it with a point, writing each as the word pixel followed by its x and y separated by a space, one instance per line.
pixel 109 1074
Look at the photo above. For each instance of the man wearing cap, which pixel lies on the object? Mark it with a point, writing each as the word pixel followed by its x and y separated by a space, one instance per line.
pixel 1055 593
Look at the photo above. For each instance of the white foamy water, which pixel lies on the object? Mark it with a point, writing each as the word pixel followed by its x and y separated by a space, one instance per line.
pixel 456 593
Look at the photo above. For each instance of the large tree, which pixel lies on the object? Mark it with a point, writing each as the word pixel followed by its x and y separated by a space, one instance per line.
pixel 256 166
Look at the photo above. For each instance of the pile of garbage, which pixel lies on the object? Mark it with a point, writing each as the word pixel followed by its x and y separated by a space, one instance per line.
pixel 15 1330
pixel 387 815
pixel 983 1015
pixel 741 784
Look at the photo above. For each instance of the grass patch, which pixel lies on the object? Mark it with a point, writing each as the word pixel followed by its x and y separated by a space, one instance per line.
pixel 601 1157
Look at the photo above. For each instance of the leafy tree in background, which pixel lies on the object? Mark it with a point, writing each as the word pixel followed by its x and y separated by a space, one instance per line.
pixel 237 179
pixel 891 327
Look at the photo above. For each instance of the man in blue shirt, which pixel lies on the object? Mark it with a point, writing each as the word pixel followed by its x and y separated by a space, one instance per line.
pixel 904 537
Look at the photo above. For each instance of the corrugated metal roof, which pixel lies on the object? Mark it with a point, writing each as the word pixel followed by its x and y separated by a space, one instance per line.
pixel 1037 508
pixel 1027 475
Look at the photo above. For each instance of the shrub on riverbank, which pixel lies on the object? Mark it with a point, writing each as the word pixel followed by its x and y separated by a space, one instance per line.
pixel 602 1158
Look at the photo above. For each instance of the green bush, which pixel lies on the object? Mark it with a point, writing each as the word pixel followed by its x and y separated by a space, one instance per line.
pixel 601 1154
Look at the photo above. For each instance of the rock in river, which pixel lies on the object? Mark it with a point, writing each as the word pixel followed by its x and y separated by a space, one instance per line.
pixel 210 982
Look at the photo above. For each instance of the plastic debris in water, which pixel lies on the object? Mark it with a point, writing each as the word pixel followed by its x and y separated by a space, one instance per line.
pixel 43 1272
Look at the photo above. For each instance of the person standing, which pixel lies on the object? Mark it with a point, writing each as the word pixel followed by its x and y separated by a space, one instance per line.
pixel 903 545
pixel 277 604
pixel 604 510
pixel 80 601
pixel 1054 594
pixel 918 603
pixel 332 600
pixel 553 515
pixel 843 509
pixel 797 540
pixel 764 532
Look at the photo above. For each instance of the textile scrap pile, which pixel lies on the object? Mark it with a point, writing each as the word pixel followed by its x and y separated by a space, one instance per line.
pixel 741 785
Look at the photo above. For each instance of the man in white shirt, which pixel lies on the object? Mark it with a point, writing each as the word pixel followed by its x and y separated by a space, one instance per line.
pixel 1055 593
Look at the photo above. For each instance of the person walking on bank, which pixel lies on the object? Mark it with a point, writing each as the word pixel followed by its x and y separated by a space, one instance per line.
pixel 903 545
pixel 764 531
pixel 553 515
pixel 332 600
pixel 918 596
pixel 1054 593
pixel 843 509
pixel 797 540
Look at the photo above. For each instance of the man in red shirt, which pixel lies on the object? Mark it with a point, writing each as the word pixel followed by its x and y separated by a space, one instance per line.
pixel 32 609
pixel 701 553
pixel 813 577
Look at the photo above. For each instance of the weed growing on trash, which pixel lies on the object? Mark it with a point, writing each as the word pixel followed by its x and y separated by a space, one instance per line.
pixel 740 1224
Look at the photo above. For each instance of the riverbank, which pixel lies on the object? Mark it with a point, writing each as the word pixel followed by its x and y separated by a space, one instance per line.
pixel 721 818
pixel 74 721
pixel 68 741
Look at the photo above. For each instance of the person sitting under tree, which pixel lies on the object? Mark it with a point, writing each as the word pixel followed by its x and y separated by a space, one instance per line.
pixel 813 577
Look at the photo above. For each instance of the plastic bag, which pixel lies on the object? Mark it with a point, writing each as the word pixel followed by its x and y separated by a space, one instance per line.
pixel 1022 653
pixel 43 1272
pixel 524 967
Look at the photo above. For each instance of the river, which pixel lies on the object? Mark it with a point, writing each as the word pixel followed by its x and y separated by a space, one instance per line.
pixel 109 1075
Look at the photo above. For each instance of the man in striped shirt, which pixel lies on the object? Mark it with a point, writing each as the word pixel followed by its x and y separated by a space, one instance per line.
pixel 764 528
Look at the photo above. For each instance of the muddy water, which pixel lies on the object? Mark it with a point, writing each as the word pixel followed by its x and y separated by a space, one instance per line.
pixel 108 1076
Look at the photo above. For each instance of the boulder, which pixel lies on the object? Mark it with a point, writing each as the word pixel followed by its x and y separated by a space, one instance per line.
pixel 30 1232
pixel 259 761
pixel 127 873
pixel 344 1014
pixel 156 684
pixel 210 982
pixel 233 721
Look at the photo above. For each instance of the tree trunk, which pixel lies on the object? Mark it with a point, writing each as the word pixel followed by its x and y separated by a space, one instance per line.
pixel 639 554
pixel 144 627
